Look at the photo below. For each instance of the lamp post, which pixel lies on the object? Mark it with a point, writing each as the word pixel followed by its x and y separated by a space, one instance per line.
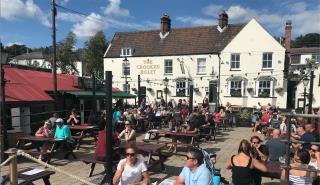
pixel 311 90
pixel 165 81
pixel 126 73
pixel 219 76
pixel 305 84
pixel 191 97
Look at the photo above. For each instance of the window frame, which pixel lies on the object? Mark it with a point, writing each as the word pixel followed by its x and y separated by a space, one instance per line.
pixel 126 88
pixel 235 61
pixel 262 89
pixel 168 67
pixel 186 87
pixel 232 87
pixel 202 66
pixel 267 61
pixel 126 52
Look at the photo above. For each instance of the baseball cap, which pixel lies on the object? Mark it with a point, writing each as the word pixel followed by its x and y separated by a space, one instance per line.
pixel 59 120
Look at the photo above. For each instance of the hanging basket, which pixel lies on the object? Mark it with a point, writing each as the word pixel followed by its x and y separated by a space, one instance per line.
pixel 249 89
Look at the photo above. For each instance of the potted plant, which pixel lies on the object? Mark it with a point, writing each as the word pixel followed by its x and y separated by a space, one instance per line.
pixel 149 89
pixel 279 89
pixel 134 89
pixel 264 94
pixel 244 117
pixel 249 89
pixel 235 94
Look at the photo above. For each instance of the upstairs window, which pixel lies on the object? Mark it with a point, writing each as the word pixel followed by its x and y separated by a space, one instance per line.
pixel 167 66
pixel 267 60
pixel 201 66
pixel 126 52
pixel 126 69
pixel 235 61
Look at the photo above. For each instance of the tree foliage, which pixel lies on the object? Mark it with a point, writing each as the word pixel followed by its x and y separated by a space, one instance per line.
pixel 16 49
pixel 66 55
pixel 95 48
pixel 308 40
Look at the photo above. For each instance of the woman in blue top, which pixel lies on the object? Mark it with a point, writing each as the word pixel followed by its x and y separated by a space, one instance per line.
pixel 62 131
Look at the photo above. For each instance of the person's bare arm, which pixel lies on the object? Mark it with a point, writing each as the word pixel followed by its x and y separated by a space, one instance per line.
pixel 260 166
pixel 117 175
pixel 179 181
pixel 229 165
pixel 194 131
pixel 38 134
pixel 132 135
pixel 283 174
pixel 121 134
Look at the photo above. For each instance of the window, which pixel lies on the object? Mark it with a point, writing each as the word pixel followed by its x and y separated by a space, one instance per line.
pixel 264 89
pixel 201 66
pixel 168 67
pixel 235 89
pixel 235 61
pixel 126 69
pixel 126 52
pixel 267 60
pixel 182 88
pixel 126 88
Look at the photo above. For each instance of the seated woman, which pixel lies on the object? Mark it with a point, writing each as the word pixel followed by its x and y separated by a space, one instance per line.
pixel 44 131
pixel 297 177
pixel 131 170
pixel 128 133
pixel 63 133
pixel 242 165
pixel 74 119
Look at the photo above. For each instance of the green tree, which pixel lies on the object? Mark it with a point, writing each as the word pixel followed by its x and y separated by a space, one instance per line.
pixel 95 48
pixel 308 40
pixel 15 50
pixel 66 55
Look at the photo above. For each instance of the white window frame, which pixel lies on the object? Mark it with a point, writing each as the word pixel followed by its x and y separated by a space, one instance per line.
pixel 242 87
pixel 126 52
pixel 126 88
pixel 235 59
pixel 182 84
pixel 126 67
pixel 166 67
pixel 268 61
pixel 316 57
pixel 201 66
pixel 259 88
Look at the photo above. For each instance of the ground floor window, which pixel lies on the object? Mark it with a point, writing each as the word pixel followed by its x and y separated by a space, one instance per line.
pixel 182 87
pixel 236 88
pixel 264 88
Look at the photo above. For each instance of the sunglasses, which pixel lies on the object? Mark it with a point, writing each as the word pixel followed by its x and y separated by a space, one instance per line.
pixel 130 154
pixel 255 142
pixel 187 157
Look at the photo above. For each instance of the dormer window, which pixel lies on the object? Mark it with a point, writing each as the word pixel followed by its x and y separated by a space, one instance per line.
pixel 126 52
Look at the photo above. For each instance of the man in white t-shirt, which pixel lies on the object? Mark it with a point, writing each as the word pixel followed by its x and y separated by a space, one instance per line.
pixel 131 170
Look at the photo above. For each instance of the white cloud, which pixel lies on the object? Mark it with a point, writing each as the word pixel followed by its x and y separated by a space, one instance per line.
pixel 196 21
pixel 89 26
pixel 113 8
pixel 70 17
pixel 63 2
pixel 14 9
pixel 212 10
pixel 298 7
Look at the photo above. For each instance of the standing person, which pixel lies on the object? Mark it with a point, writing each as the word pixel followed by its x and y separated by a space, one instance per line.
pixel 116 117
pixel 195 172
pixel 74 119
pixel 242 165
pixel 275 147
pixel 298 177
pixel 128 133
pixel 131 170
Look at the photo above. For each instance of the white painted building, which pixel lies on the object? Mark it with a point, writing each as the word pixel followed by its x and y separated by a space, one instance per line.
pixel 298 58
pixel 251 63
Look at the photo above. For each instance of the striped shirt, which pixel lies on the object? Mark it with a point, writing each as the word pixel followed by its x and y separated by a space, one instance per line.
pixel 300 180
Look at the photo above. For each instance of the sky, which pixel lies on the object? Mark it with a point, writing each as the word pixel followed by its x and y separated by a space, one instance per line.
pixel 29 21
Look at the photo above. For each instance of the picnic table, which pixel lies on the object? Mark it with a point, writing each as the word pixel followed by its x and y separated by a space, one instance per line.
pixel 83 132
pixel 274 169
pixel 151 150
pixel 55 143
pixel 34 174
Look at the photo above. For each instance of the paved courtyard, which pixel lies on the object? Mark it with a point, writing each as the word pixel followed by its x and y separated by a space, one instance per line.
pixel 226 145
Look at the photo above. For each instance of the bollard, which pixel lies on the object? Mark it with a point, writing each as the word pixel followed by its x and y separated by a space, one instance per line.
pixel 13 174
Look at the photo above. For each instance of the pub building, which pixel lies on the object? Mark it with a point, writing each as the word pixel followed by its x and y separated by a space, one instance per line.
pixel 246 60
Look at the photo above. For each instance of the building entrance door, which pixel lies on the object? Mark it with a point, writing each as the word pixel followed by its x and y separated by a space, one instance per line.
pixel 213 91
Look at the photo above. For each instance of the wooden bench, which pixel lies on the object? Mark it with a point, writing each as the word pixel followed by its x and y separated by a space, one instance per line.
pixel 44 175
pixel 93 162
pixel 77 140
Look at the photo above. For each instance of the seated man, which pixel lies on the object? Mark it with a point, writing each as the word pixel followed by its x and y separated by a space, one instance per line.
pixel 195 172
pixel 275 147
pixel 302 135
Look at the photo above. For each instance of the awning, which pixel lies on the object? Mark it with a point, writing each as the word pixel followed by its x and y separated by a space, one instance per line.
pixel 236 78
pixel 265 78
pixel 99 94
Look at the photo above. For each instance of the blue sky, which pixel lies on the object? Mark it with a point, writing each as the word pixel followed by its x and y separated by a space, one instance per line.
pixel 28 21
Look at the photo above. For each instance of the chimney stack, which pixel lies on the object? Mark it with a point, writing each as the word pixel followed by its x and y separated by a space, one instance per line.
pixel 223 19
pixel 165 25
pixel 287 35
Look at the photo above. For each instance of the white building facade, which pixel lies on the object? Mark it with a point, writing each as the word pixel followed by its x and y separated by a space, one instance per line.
pixel 250 61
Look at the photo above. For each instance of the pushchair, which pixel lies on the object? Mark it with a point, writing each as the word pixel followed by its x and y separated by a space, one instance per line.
pixel 215 172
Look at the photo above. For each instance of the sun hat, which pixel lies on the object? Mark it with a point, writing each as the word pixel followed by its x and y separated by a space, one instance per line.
pixel 59 120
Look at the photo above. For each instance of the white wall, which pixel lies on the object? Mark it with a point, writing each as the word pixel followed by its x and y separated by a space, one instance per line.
pixel 251 42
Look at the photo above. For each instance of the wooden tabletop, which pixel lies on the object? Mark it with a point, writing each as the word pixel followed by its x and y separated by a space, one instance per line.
pixel 171 133
pixel 146 147
pixel 79 127
pixel 37 176
pixel 37 138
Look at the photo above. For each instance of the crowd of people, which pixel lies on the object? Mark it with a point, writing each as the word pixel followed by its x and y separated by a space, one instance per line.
pixel 246 166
